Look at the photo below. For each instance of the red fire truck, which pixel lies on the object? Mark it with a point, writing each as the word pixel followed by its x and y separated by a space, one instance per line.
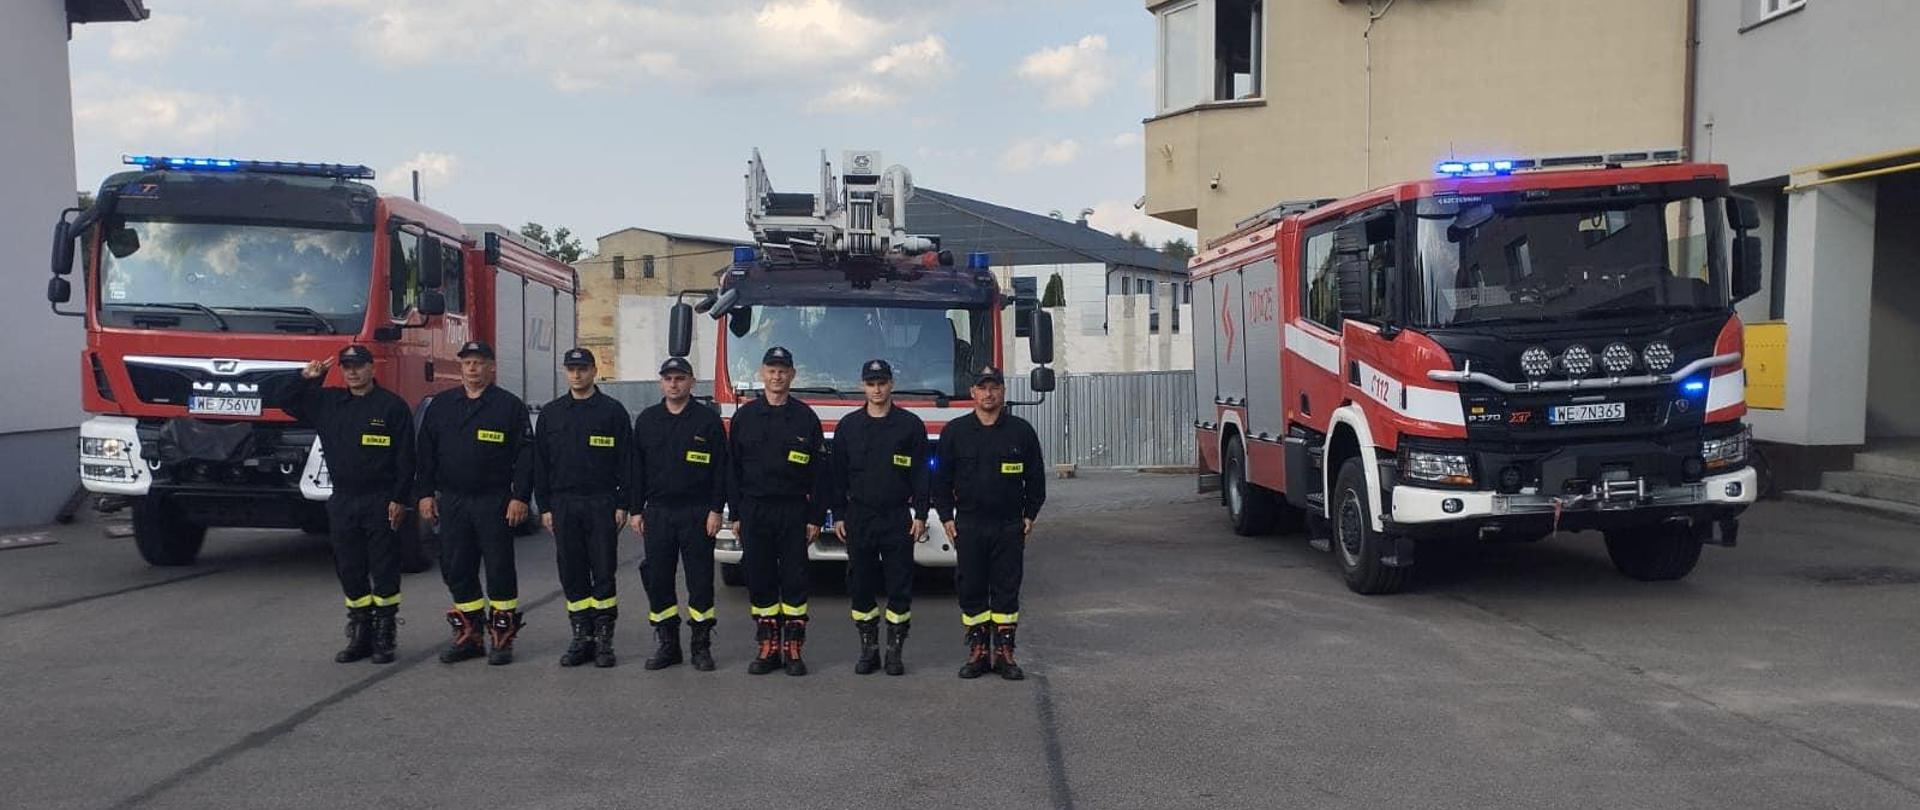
pixel 837 279
pixel 1508 349
pixel 207 283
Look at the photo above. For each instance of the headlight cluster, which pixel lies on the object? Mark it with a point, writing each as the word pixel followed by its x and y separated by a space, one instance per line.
pixel 1617 359
pixel 1438 468
pixel 1726 451
pixel 1536 362
pixel 103 448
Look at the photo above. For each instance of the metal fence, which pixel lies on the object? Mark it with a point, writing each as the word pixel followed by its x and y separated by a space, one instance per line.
pixel 1140 419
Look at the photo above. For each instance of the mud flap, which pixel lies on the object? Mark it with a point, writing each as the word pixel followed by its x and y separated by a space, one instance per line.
pixel 1401 554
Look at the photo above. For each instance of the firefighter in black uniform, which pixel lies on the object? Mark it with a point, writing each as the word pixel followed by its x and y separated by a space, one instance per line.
pixel 877 489
pixel 989 484
pixel 366 437
pixel 679 492
pixel 580 474
pixel 774 449
pixel 475 476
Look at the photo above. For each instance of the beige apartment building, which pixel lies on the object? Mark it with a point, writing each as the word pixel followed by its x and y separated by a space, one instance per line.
pixel 1264 101
pixel 628 283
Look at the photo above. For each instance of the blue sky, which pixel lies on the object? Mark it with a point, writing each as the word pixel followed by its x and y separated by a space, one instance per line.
pixel 600 114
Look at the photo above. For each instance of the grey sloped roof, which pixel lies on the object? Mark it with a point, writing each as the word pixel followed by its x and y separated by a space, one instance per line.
pixel 1015 237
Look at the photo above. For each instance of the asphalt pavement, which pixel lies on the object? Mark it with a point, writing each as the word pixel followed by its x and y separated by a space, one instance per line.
pixel 1171 664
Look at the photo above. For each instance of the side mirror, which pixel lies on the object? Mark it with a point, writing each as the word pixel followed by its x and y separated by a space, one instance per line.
pixel 432 302
pixel 62 247
pixel 1350 269
pixel 680 330
pixel 1040 339
pixel 1746 267
pixel 433 262
pixel 1040 380
pixel 59 290
pixel 1742 214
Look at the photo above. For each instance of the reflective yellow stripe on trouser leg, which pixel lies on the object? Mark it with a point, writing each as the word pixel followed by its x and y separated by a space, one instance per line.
pixel 658 616
pixel 1007 618
pixel 759 612
pixel 867 616
pixel 470 607
pixel 578 605
pixel 975 619
pixel 356 604
pixel 899 618
pixel 798 611
pixel 699 615
pixel 386 601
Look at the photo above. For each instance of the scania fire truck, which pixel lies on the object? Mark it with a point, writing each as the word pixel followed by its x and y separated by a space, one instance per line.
pixel 1508 349
pixel 208 283
pixel 836 277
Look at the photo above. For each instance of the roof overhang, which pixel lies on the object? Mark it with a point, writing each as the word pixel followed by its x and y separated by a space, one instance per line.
pixel 93 11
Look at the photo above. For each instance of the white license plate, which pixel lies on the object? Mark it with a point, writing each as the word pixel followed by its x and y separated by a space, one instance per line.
pixel 225 406
pixel 1581 414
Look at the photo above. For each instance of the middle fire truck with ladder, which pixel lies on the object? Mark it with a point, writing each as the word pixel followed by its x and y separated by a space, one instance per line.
pixel 1508 349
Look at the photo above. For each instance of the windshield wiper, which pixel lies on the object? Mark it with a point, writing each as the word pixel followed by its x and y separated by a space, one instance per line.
pixel 309 312
pixel 1504 319
pixel 1630 309
pixel 818 389
pixel 188 306
pixel 940 398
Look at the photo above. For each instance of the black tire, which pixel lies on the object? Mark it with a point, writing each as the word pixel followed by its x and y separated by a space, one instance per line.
pixel 1356 546
pixel 418 544
pixel 1249 508
pixel 163 535
pixel 1657 553
pixel 732 576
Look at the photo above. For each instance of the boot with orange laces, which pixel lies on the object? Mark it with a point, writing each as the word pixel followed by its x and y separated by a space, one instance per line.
pixel 469 640
pixel 1003 653
pixel 505 625
pixel 767 632
pixel 978 661
pixel 794 637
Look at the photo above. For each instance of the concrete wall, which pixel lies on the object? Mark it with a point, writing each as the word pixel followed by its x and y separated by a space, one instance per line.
pixel 641 343
pixel 679 264
pixel 1102 329
pixel 41 352
pixel 1830 82
pixel 1461 77
pixel 1893 375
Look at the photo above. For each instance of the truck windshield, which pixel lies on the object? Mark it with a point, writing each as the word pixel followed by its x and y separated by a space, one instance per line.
pixel 1495 258
pixel 929 349
pixel 256 277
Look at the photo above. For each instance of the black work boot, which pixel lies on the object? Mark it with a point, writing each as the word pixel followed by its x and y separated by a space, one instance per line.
pixel 869 647
pixel 896 640
pixel 469 636
pixel 359 636
pixel 386 621
pixel 793 636
pixel 580 649
pixel 603 640
pixel 702 646
pixel 667 633
pixel 766 634
pixel 500 632
pixel 1003 662
pixel 978 659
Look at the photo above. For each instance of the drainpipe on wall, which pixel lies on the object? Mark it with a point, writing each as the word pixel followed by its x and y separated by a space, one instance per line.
pixel 1688 112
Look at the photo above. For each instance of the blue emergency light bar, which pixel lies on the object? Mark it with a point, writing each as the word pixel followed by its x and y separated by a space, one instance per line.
pixel 743 255
pixel 206 164
pixel 978 261
pixel 1498 166
pixel 1460 168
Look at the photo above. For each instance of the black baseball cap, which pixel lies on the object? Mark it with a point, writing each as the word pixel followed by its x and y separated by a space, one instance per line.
pixel 777 356
pixel 577 356
pixel 989 374
pixel 355 356
pixel 479 347
pixel 676 365
pixel 876 369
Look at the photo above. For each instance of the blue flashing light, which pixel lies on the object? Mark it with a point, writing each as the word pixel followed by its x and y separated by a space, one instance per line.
pixel 743 255
pixel 1694 386
pixel 1451 167
pixel 338 170
pixel 977 261
pixel 1468 168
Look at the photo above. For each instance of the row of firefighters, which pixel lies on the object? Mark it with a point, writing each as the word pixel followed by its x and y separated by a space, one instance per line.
pixel 671 475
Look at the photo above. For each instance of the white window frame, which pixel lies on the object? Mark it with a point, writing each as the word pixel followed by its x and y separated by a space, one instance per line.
pixel 1203 53
pixel 1770 9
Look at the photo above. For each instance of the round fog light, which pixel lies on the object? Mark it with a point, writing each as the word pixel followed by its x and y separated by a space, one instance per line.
pixel 1692 468
pixel 1734 489
pixel 1452 506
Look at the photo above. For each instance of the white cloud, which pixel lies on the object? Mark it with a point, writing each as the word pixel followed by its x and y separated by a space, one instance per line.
pixel 1126 140
pixel 151 41
pixel 915 61
pixel 1036 152
pixel 1115 216
pixel 1071 75
pixel 121 115
pixel 854 97
pixel 436 170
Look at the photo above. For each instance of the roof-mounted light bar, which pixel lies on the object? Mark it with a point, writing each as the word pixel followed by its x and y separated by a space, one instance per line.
pixel 207 164
pixel 1500 166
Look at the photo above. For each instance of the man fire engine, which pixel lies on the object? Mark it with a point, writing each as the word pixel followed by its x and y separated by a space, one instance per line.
pixel 207 284
pixel 838 278
pixel 1512 348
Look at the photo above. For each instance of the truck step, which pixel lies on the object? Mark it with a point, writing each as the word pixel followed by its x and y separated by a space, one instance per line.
pixel 1875 485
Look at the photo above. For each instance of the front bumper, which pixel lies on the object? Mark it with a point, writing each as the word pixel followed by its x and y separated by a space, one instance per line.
pixel 933 551
pixel 1715 497
pixel 122 455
